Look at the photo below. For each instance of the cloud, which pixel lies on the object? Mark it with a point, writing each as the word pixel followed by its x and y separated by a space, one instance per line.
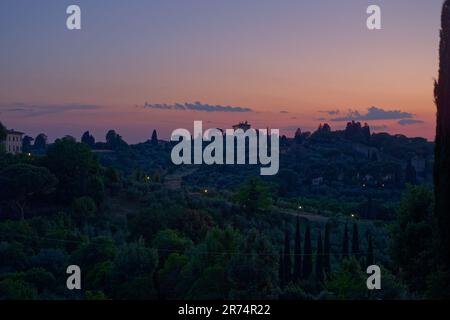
pixel 331 112
pixel 406 122
pixel 197 106
pixel 35 110
pixel 374 113
pixel 284 112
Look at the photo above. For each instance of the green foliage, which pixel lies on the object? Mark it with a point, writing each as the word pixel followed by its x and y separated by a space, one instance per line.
pixel 84 209
pixel 253 196
pixel 412 236
pixel 168 241
pixel 76 168
pixel 97 250
pixel 20 182
pixel 253 273
pixel 349 283
pixel 169 276
pixel 16 289
pixel 132 272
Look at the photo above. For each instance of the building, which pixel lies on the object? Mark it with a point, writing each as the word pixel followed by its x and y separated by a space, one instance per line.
pixel 13 142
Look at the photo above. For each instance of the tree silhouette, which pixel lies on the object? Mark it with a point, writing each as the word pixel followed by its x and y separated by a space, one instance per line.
pixel 26 143
pixel 369 258
pixel 287 258
pixel 355 241
pixel 319 259
pixel 442 142
pixel 327 250
pixel 307 251
pixel 345 243
pixel 40 142
pixel 297 253
pixel 3 132
pixel 154 138
pixel 281 269
pixel 88 139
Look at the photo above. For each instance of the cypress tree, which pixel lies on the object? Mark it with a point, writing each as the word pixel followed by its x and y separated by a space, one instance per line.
pixel 369 258
pixel 345 243
pixel 327 250
pixel 154 138
pixel 281 270
pixel 355 241
pixel 319 258
pixel 287 258
pixel 442 142
pixel 307 251
pixel 298 253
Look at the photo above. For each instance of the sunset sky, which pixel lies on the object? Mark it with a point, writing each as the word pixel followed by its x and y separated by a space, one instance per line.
pixel 280 64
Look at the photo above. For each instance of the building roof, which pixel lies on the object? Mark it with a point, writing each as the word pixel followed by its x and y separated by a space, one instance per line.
pixel 12 131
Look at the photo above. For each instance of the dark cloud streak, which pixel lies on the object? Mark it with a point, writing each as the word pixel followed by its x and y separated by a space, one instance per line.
pixel 196 106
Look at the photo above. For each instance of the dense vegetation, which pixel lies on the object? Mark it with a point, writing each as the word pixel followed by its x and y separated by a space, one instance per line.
pixel 142 228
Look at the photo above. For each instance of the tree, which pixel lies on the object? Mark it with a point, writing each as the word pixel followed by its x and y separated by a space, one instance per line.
pixel 349 283
pixel 114 140
pixel 88 139
pixel 297 253
pixel 355 242
pixel 168 240
pixel 319 259
pixel 76 168
pixel 307 251
pixel 287 258
pixel 132 272
pixel 253 196
pixel 369 258
pixel 84 209
pixel 40 142
pixel 26 143
pixel 412 236
pixel 170 275
pixel 327 250
pixel 442 142
pixel 154 138
pixel 345 248
pixel 20 182
pixel 3 134
pixel 253 272
pixel 281 269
